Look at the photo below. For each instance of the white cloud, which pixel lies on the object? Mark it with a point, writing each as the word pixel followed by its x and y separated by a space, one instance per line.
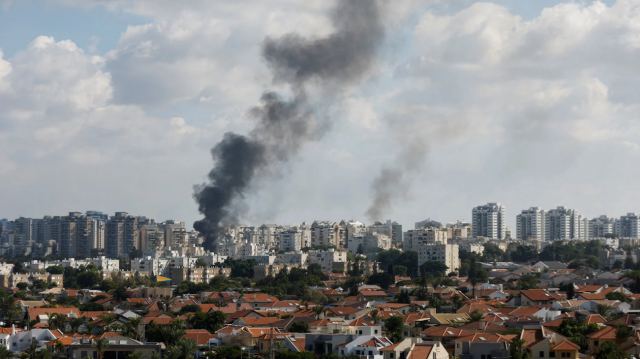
pixel 529 110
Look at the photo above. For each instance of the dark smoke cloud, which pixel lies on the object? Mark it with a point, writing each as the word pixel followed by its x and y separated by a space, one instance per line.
pixel 344 55
pixel 284 125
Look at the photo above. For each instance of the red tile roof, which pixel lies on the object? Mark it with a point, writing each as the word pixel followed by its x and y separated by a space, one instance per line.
pixel 606 333
pixel 258 298
pixel 35 312
pixel 566 345
pixel 538 295
pixel 199 336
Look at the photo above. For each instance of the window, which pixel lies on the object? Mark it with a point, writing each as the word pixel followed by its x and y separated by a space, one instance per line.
pixel 552 354
pixel 541 354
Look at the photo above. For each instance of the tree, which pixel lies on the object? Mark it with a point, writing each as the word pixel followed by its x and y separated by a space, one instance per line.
pixel 522 254
pixel 9 310
pixel 617 296
pixel 577 331
pixel 517 349
pixel 287 354
pixel 5 353
pixel 528 281
pixel 403 297
pixel 299 327
pixel 182 349
pixel 101 345
pixel 393 326
pixel 475 316
pixel 492 253
pixel 400 270
pixel 623 332
pixel 226 352
pixel 635 276
pixel 476 274
pixel 167 334
pixel 433 269
pixel 609 350
pixel 55 270
pixel 190 308
pixel 384 280
pixel 393 257
pixel 210 321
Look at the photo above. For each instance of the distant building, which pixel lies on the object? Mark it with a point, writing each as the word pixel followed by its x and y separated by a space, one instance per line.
pixel 448 254
pixel 530 224
pixel 488 221
pixel 602 226
pixel 122 235
pixel 628 226
pixel 564 224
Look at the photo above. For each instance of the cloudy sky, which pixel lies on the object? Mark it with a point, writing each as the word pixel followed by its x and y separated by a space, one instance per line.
pixel 114 105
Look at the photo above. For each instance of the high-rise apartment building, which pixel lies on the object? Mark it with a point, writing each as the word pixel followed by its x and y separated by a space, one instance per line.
pixel 488 221
pixel 122 235
pixel 530 224
pixel 388 228
pixel 563 224
pixel 67 244
pixel 601 227
pixel 90 236
pixel 628 226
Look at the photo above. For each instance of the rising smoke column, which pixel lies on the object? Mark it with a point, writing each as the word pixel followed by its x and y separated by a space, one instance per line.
pixel 285 124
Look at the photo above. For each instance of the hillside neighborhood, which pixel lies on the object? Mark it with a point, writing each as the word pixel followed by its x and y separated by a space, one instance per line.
pixel 489 309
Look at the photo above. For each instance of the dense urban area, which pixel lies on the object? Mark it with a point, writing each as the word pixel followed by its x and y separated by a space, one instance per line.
pixel 91 285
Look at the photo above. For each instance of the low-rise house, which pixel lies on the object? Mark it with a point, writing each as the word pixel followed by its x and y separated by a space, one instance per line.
pixel 258 300
pixel 365 345
pixel 615 306
pixel 324 344
pixel 596 339
pixel 445 335
pixel 43 314
pixel 202 337
pixel 117 346
pixel 427 351
pixel 544 343
pixel 449 318
pixel 483 346
pixel 400 349
pixel 348 313
pixel 537 297
pixel 21 341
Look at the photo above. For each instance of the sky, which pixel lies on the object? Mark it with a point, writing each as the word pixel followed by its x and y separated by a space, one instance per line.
pixel 115 105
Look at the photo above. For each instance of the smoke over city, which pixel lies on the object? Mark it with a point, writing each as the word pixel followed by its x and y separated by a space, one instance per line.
pixel 283 124
pixel 394 179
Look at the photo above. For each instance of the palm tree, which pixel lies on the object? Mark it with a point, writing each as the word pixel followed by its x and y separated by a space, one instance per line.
pixel 130 328
pixel 101 345
pixel 318 309
pixel 374 316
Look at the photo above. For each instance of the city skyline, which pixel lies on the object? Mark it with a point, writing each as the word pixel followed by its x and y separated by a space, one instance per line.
pixel 166 85
pixel 510 215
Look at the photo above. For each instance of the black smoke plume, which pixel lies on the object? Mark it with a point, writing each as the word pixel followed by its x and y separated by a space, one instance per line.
pixel 284 125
